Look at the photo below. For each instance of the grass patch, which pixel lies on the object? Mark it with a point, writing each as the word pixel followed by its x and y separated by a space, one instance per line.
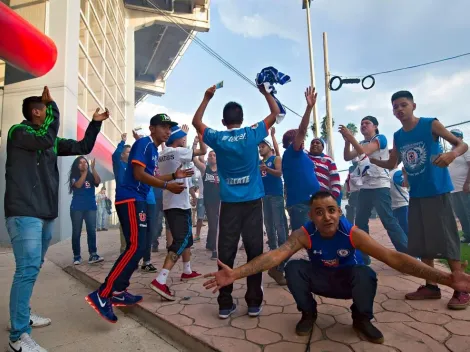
pixel 464 254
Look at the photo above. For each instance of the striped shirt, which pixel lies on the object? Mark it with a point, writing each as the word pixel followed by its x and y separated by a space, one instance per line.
pixel 327 174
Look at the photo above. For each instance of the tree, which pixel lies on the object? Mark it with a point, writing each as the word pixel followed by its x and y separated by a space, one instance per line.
pixel 324 128
pixel 352 127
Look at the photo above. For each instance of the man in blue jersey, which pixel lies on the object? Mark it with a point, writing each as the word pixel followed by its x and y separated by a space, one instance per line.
pixel 120 158
pixel 335 268
pixel 432 228
pixel 131 208
pixel 297 168
pixel 241 190
pixel 273 204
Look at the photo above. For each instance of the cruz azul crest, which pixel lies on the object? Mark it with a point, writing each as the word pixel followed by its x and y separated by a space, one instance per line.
pixel 142 216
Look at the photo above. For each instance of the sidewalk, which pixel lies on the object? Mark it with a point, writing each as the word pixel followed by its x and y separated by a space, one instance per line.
pixel 75 327
pixel 414 326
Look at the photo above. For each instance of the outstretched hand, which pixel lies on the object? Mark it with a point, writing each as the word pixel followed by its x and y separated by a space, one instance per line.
pixel 46 96
pixel 273 131
pixel 345 132
pixel 221 278
pixel 460 280
pixel 185 128
pixel 100 117
pixel 179 173
pixel 311 96
pixel 175 187
pixel 209 93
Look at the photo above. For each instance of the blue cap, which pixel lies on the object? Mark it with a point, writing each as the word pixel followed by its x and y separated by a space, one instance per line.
pixel 319 139
pixel 176 133
pixel 457 133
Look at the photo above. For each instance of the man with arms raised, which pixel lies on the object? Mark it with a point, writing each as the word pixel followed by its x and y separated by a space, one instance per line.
pixel 335 268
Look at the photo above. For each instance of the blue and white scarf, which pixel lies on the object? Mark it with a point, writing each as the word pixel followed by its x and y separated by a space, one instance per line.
pixel 270 76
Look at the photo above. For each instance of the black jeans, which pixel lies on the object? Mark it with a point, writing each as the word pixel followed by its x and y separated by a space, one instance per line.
pixel 245 218
pixel 357 282
pixel 212 212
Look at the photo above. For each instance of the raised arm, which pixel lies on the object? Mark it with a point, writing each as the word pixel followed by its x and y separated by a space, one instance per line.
pixel 197 119
pixel 66 147
pixel 120 147
pixel 390 163
pixel 96 177
pixel 201 165
pixel 407 264
pixel 270 120
pixel 311 97
pixel 202 146
pixel 225 276
pixel 460 147
pixel 275 145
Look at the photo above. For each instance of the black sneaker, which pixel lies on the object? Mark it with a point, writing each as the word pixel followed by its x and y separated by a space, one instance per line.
pixel 370 332
pixel 148 268
pixel 305 326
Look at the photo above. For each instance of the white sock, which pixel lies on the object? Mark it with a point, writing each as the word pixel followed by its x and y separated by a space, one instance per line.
pixel 187 268
pixel 163 276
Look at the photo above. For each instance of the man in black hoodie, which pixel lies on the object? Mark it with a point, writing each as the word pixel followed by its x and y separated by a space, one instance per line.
pixel 31 201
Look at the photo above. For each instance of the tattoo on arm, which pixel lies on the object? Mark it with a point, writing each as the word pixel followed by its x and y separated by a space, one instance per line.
pixel 413 267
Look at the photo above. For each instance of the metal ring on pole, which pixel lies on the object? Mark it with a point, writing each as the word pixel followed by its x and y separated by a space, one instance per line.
pixel 340 83
pixel 371 85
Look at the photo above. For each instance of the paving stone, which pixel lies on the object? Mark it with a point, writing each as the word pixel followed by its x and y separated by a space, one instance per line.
pixel 285 346
pixel 268 310
pixel 204 315
pixel 170 309
pixel 397 294
pixel 226 331
pixel 392 317
pixel 406 339
pixel 434 331
pixel 195 300
pixel 291 309
pixel 380 297
pixel 377 308
pixel 430 317
pixel 331 310
pixel 227 344
pixel 384 289
pixel 459 327
pixel 345 319
pixel 245 322
pixel 284 324
pixel 324 321
pixel 329 346
pixel 346 303
pixel 458 343
pixel 180 287
pixel 365 346
pixel 278 297
pixel 262 336
pixel 178 320
pixel 342 333
pixel 194 330
pixel 395 305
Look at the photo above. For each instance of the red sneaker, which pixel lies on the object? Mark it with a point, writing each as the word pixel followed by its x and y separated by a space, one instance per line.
pixel 424 292
pixel 193 275
pixel 459 300
pixel 162 290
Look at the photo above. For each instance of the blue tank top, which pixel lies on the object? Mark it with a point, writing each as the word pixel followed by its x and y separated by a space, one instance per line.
pixel 272 184
pixel 299 176
pixel 335 252
pixel 418 148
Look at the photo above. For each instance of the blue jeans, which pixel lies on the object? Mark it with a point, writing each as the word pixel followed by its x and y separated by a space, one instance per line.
pixel 401 214
pixel 461 205
pixel 275 222
pixel 159 222
pixel 30 238
pixel 77 217
pixel 151 230
pixel 298 214
pixel 379 198
pixel 102 218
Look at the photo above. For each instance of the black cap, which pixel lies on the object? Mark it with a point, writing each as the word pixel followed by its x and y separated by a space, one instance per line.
pixel 373 120
pixel 162 119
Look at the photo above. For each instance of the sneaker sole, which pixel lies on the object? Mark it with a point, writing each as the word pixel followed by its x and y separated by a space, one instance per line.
pixel 422 298
pixel 376 341
pixel 126 305
pixel 458 306
pixel 226 316
pixel 96 261
pixel 191 278
pixel 163 294
pixel 254 315
pixel 92 305
pixel 149 271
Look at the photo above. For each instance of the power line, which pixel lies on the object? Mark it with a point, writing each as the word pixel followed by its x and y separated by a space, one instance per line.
pixel 211 52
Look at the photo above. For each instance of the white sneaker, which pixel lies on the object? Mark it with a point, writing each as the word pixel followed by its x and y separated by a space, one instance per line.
pixel 35 321
pixel 25 344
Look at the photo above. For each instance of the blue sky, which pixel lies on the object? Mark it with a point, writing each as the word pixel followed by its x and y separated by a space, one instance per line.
pixel 365 36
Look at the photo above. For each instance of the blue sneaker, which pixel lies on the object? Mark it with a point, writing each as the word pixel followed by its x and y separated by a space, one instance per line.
pixel 225 313
pixel 125 299
pixel 254 311
pixel 102 306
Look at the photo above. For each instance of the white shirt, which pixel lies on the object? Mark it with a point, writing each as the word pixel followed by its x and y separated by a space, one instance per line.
pixel 377 177
pixel 169 160
pixel 200 184
pixel 458 171
pixel 400 195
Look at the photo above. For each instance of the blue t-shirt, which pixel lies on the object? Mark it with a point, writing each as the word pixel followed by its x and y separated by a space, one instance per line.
pixel 144 153
pixel 418 148
pixel 238 161
pixel 119 166
pixel 299 176
pixel 272 184
pixel 335 252
pixel 83 198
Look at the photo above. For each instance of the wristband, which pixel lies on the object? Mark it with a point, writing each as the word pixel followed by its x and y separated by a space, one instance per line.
pixel 173 176
pixel 165 184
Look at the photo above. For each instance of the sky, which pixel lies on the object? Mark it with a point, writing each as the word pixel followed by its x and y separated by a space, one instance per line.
pixel 364 36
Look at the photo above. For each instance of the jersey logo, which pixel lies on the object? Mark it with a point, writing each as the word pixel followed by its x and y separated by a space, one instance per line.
pixel 87 184
pixel 254 127
pixel 330 262
pixel 343 252
pixel 317 252
pixel 142 216
pixel 238 181
pixel 264 173
pixel 234 138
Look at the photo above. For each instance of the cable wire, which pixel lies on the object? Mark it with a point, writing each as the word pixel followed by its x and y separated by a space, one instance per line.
pixel 211 52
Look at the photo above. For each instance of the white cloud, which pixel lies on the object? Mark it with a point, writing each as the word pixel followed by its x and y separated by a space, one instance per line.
pixel 353 107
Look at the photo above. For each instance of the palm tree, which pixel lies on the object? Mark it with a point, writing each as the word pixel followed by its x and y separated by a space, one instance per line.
pixel 324 128
pixel 352 127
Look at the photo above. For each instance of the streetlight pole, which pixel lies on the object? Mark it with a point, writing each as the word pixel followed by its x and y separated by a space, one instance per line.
pixel 329 116
pixel 306 6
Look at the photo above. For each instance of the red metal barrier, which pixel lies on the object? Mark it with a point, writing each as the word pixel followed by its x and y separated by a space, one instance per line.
pixel 23 46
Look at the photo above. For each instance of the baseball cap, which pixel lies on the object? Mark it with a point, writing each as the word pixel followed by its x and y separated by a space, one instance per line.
pixel 176 133
pixel 162 119
pixel 457 133
pixel 265 141
pixel 319 139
